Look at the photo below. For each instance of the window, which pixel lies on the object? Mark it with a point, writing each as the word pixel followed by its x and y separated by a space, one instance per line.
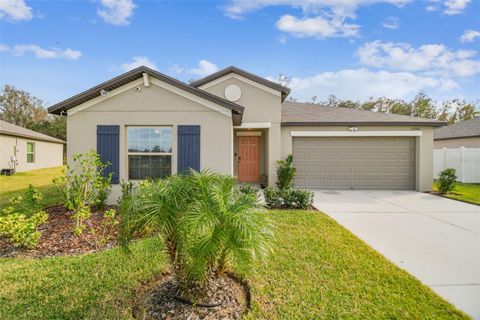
pixel 149 152
pixel 30 152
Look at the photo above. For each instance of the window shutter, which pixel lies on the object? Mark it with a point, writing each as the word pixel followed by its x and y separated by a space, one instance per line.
pixel 188 148
pixel 108 147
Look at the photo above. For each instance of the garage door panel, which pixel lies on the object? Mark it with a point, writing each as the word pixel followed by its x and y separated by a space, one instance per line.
pixel 359 163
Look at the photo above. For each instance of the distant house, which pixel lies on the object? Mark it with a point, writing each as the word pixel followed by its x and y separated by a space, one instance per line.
pixel 23 150
pixel 462 134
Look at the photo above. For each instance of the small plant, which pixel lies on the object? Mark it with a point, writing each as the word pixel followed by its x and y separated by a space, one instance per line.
pixel 263 181
pixel 288 199
pixel 127 190
pixel 103 233
pixel 85 184
pixel 285 173
pixel 20 219
pixel 247 189
pixel 446 180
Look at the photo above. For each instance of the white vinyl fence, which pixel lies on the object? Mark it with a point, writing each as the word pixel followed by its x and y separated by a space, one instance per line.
pixel 466 161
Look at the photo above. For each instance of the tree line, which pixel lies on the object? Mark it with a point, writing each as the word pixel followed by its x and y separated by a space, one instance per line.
pixel 422 105
pixel 21 108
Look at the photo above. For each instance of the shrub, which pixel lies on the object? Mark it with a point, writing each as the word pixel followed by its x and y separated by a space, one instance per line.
pixel 20 219
pixel 84 184
pixel 285 173
pixel 272 197
pixel 204 224
pixel 288 198
pixel 263 181
pixel 103 233
pixel 446 180
pixel 247 189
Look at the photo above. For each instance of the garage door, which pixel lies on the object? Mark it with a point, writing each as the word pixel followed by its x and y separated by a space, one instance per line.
pixel 355 163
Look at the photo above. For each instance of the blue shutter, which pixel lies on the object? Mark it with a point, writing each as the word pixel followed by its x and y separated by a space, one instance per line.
pixel 108 147
pixel 188 148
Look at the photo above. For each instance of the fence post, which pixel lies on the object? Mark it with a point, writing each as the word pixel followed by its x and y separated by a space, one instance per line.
pixel 462 164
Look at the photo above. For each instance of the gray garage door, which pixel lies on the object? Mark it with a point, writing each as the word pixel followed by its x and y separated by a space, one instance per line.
pixel 355 163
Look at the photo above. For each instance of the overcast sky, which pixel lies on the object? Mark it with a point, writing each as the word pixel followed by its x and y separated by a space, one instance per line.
pixel 350 48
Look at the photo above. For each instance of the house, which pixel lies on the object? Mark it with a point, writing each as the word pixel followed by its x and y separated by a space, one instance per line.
pixel 147 124
pixel 461 134
pixel 23 150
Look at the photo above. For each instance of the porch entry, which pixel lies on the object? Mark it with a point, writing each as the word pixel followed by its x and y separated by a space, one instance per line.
pixel 248 159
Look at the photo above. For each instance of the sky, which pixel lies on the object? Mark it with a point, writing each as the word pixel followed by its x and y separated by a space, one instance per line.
pixel 353 49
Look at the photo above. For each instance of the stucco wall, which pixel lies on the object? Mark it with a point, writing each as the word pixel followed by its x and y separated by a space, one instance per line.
pixel 424 147
pixel 262 105
pixel 473 142
pixel 47 154
pixel 153 106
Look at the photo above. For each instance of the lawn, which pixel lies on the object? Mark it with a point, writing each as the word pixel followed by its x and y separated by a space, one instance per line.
pixel 41 179
pixel 469 192
pixel 318 270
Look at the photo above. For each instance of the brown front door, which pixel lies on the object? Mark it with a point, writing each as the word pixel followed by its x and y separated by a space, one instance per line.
pixel 248 159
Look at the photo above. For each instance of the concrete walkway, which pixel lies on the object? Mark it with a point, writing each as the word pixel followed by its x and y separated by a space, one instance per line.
pixel 435 239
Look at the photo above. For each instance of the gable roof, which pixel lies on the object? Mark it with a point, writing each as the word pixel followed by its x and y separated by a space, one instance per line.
pixel 463 129
pixel 273 85
pixel 304 114
pixel 10 129
pixel 135 74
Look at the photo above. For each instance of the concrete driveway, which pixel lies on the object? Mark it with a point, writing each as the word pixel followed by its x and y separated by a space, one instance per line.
pixel 435 239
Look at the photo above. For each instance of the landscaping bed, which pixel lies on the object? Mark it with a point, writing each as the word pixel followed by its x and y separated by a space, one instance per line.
pixel 58 237
pixel 229 298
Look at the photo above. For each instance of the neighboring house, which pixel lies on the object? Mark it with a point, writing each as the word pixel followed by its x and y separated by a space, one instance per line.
pixel 462 134
pixel 147 124
pixel 23 150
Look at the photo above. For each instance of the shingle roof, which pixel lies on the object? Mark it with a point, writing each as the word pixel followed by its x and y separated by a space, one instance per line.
pixel 273 85
pixel 135 74
pixel 463 129
pixel 297 113
pixel 17 131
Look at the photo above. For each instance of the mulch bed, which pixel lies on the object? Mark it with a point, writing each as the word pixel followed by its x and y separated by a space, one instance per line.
pixel 58 238
pixel 156 300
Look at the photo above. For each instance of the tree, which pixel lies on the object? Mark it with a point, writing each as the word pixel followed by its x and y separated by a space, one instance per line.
pixel 54 126
pixel 205 226
pixel 283 79
pixel 20 108
pixel 423 106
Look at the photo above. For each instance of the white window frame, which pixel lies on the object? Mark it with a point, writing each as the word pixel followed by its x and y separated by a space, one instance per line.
pixel 33 153
pixel 129 153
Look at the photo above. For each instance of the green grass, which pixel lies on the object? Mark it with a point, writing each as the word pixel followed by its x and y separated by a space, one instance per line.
pixel 94 286
pixel 318 270
pixel 469 192
pixel 41 179
pixel 321 270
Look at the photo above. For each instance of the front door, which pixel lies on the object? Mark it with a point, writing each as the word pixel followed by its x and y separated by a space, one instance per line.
pixel 248 159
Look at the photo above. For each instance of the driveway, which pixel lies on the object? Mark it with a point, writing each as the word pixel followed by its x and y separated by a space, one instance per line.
pixel 435 239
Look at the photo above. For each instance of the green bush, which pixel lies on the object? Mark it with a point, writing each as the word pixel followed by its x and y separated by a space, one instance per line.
pixel 205 225
pixel 103 233
pixel 285 173
pixel 20 219
pixel 288 198
pixel 84 184
pixel 263 181
pixel 446 180
pixel 248 189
